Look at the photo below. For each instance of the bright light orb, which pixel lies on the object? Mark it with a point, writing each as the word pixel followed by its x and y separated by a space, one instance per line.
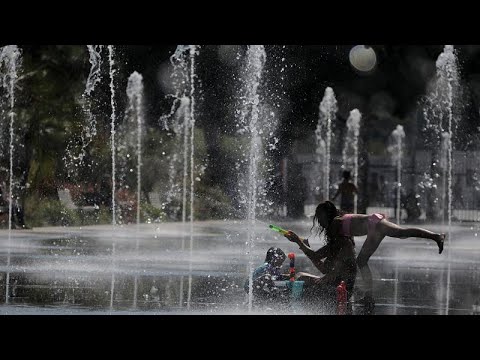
pixel 363 58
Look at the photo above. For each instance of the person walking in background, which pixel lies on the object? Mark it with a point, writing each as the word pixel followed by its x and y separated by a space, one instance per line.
pixel 347 191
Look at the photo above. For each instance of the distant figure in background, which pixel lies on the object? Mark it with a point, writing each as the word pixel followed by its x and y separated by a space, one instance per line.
pixel 347 191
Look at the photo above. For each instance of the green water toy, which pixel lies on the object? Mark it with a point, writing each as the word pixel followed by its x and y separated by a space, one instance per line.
pixel 278 229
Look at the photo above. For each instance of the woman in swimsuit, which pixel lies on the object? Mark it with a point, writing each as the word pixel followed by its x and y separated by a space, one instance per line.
pixel 334 223
pixel 336 259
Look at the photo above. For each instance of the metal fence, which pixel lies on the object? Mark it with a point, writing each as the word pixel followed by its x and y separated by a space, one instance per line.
pixel 380 190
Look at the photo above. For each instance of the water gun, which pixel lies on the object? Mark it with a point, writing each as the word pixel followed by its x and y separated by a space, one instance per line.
pixel 342 298
pixel 291 256
pixel 278 229
pixel 342 293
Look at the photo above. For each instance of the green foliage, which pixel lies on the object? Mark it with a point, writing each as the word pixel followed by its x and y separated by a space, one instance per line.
pixel 103 216
pixel 49 212
pixel 212 203
pixel 151 214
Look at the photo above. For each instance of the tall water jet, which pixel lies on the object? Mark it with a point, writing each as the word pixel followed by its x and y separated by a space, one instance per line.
pixel 9 68
pixel 135 96
pixel 129 152
pixel 179 121
pixel 130 141
pixel 112 143
pixel 75 158
pixel 181 128
pixel 350 147
pixel 395 149
pixel 250 125
pixel 440 119
pixel 182 112
pixel 185 111
pixel 112 127
pixel 444 149
pixel 192 53
pixel 323 136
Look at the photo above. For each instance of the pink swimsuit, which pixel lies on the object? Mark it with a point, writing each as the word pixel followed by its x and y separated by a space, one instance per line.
pixel 372 221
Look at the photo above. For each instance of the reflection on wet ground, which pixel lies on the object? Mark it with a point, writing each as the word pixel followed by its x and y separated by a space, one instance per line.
pixel 74 271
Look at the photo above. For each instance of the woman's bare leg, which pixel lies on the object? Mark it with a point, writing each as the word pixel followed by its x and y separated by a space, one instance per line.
pixel 369 246
pixel 373 240
pixel 387 228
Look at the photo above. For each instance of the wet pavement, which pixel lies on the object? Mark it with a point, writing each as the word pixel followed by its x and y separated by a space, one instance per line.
pixel 99 270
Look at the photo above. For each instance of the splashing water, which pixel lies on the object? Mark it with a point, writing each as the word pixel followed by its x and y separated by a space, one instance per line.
pixel 180 78
pixel 75 159
pixel 350 147
pixel 181 120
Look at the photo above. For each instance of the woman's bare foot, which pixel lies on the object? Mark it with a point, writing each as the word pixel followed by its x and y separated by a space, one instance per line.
pixel 440 241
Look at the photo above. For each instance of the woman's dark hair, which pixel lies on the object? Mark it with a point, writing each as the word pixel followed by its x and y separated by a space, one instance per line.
pixel 332 212
pixel 274 252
